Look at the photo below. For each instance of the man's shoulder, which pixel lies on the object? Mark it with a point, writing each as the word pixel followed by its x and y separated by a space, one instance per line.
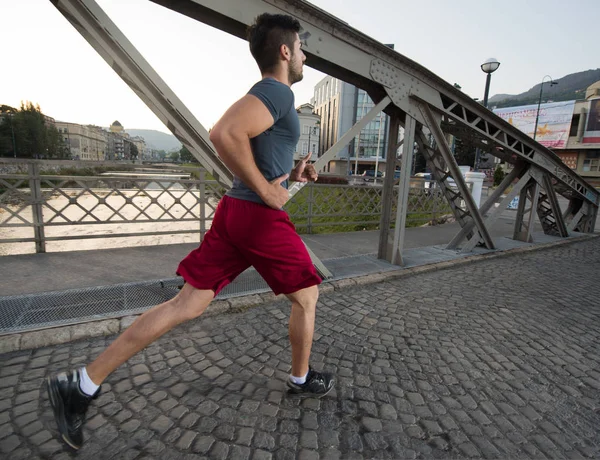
pixel 272 86
pixel 277 96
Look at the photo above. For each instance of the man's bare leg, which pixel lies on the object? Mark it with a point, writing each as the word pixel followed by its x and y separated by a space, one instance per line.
pixel 304 380
pixel 188 304
pixel 302 327
pixel 71 392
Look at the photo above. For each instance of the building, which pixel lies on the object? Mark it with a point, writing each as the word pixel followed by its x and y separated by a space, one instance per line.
pixel 340 106
pixel 84 142
pixel 310 124
pixel 571 129
pixel 118 140
pixel 582 150
pixel 140 144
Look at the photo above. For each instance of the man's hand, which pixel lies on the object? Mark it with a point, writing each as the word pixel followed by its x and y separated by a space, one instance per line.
pixel 275 196
pixel 304 172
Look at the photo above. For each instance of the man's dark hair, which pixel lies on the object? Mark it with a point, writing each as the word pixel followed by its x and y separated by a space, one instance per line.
pixel 266 36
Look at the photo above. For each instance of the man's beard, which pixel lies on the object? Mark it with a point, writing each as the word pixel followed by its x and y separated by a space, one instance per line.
pixel 294 76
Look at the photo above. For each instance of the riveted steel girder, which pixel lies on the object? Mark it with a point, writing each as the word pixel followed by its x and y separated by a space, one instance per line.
pixel 517 172
pixel 452 167
pixel 410 127
pixel 336 48
pixel 106 38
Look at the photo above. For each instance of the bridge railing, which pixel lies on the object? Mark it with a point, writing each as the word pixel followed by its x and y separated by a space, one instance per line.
pixel 40 203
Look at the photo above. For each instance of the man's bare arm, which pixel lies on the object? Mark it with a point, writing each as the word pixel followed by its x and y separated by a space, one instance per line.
pixel 245 119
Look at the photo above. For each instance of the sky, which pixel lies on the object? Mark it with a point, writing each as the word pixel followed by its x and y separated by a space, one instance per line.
pixel 46 61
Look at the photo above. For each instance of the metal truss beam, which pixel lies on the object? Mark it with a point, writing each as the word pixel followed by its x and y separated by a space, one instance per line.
pixel 549 211
pixel 440 173
pixel 588 220
pixel 333 47
pixel 324 159
pixel 526 216
pixel 575 220
pixel 454 171
pixel 494 130
pixel 106 38
pixel 495 213
pixel 517 172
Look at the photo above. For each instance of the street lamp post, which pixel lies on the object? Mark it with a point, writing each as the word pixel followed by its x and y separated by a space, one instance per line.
pixel 489 67
pixel 12 130
pixel 537 115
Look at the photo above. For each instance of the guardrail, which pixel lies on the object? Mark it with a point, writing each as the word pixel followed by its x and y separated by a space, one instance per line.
pixel 41 204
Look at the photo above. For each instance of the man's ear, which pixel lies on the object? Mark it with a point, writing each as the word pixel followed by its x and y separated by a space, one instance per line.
pixel 285 52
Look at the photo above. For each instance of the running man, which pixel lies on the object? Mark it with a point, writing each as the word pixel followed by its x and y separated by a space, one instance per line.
pixel 256 139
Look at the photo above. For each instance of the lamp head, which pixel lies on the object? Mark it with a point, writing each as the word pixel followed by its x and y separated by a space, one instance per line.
pixel 490 66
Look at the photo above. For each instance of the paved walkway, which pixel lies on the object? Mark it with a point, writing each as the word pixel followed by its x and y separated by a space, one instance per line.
pixel 495 359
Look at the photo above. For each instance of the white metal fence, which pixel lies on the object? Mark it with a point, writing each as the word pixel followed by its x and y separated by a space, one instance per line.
pixel 50 201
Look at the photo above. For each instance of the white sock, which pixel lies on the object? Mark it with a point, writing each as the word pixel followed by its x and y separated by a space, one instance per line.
pixel 298 380
pixel 85 383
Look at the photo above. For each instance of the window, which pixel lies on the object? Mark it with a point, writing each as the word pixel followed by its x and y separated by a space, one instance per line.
pixel 590 165
pixel 304 148
pixel 305 129
pixel 574 125
pixel 314 149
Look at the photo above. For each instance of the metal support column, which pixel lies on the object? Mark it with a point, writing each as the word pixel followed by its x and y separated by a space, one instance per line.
pixel 388 188
pixel 523 226
pixel 408 150
pixel 594 217
pixel 37 200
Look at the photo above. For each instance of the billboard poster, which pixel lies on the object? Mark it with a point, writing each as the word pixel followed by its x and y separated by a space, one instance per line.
pixel 554 121
pixel 592 126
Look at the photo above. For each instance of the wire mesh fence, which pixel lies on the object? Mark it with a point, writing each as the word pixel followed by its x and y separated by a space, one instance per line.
pixel 28 312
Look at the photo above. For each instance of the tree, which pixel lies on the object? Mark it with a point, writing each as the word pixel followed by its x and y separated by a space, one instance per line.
pixel 7 138
pixel 56 148
pixel 160 154
pixel 498 175
pixel 24 133
pixel 134 152
pixel 174 156
pixel 187 156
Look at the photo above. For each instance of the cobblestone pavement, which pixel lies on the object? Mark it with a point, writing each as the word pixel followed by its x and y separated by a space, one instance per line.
pixel 494 359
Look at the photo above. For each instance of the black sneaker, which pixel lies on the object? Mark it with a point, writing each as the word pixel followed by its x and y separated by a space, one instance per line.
pixel 317 385
pixel 70 405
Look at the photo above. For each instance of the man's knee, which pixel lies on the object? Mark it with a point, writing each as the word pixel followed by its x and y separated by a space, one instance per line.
pixel 191 302
pixel 305 298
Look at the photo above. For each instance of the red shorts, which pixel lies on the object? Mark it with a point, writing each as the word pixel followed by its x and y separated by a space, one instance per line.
pixel 244 234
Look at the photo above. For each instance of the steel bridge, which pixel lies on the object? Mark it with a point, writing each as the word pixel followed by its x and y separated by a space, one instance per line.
pixel 415 98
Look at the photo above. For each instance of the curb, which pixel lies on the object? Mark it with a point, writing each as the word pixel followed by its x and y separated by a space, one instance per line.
pixel 64 334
